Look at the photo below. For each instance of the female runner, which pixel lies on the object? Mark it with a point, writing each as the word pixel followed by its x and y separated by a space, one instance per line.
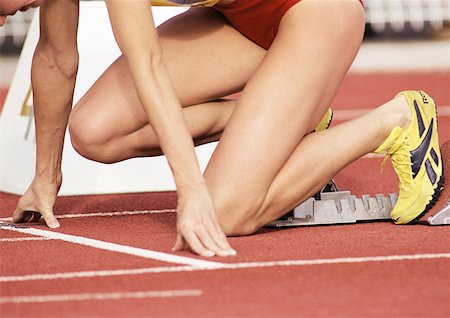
pixel 288 57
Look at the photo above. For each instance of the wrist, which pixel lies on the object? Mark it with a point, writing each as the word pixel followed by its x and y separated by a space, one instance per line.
pixel 190 186
pixel 49 176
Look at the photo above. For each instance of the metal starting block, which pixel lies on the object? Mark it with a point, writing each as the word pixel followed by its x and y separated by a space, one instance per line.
pixel 341 207
pixel 442 217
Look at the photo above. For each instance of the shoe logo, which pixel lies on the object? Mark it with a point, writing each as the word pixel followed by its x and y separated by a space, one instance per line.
pixel 424 97
pixel 419 119
pixel 418 154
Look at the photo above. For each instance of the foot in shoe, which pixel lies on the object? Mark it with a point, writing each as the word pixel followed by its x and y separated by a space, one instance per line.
pixel 416 157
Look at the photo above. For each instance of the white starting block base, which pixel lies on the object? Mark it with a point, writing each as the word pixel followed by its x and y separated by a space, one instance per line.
pixel 441 218
pixel 342 207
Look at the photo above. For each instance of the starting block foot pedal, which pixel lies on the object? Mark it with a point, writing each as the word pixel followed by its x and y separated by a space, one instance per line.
pixel 340 207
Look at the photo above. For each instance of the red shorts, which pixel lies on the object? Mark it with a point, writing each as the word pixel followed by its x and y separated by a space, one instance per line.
pixel 258 20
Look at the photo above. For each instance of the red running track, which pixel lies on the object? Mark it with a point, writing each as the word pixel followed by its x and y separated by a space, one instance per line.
pixel 361 270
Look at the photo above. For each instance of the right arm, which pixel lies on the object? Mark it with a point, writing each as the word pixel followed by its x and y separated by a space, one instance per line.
pixel 54 69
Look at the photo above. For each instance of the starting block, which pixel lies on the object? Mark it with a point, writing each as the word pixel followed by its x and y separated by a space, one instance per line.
pixel 442 217
pixel 341 207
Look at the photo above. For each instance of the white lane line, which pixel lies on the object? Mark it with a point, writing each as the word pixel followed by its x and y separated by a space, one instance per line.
pixel 101 296
pixel 101 273
pixel 344 260
pixel 347 114
pixel 119 213
pixel 232 266
pixel 118 248
pixel 20 239
pixel 103 214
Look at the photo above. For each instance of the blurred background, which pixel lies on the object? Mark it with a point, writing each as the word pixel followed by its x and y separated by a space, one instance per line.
pixel 392 26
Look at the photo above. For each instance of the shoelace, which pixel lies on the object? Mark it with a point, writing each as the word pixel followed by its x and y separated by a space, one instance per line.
pixel 401 160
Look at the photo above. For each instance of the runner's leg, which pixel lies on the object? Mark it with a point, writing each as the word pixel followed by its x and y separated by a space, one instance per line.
pixel 206 58
pixel 293 86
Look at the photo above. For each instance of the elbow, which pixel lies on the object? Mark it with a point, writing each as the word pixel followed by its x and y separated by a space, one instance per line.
pixel 155 60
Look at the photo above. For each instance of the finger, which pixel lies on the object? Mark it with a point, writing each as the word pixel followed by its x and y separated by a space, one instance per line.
pixel 195 244
pixel 220 237
pixel 179 243
pixel 51 220
pixel 205 238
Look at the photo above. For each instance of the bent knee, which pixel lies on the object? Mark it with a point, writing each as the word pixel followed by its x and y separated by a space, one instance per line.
pixel 239 219
pixel 238 226
pixel 89 137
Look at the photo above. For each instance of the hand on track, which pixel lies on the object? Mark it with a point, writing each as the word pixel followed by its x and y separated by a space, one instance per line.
pixel 198 227
pixel 38 201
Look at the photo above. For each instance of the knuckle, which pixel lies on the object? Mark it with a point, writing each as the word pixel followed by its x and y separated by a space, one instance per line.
pixel 185 226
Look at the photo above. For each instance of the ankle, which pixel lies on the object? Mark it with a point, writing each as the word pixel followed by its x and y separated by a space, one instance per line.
pixel 398 114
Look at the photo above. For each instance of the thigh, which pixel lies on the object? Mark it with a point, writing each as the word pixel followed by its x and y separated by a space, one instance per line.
pixel 294 85
pixel 205 57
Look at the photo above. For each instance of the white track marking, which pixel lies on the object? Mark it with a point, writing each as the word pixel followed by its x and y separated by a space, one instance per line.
pixel 346 114
pixel 103 214
pixel 345 260
pixel 101 273
pixel 118 248
pixel 120 213
pixel 20 239
pixel 101 296
pixel 232 266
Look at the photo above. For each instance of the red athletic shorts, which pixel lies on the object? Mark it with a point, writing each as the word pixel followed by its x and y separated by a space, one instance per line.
pixel 258 20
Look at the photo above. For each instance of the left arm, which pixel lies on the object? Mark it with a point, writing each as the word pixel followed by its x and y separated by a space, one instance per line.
pixel 136 36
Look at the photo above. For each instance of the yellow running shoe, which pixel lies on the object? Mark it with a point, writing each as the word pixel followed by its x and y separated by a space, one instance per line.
pixel 325 122
pixel 416 157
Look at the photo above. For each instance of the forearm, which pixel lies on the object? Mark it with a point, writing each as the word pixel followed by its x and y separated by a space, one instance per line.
pixel 136 36
pixel 54 68
pixel 166 117
pixel 52 97
pixel 197 224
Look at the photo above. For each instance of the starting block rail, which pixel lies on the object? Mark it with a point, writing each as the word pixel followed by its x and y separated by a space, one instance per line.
pixel 341 207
